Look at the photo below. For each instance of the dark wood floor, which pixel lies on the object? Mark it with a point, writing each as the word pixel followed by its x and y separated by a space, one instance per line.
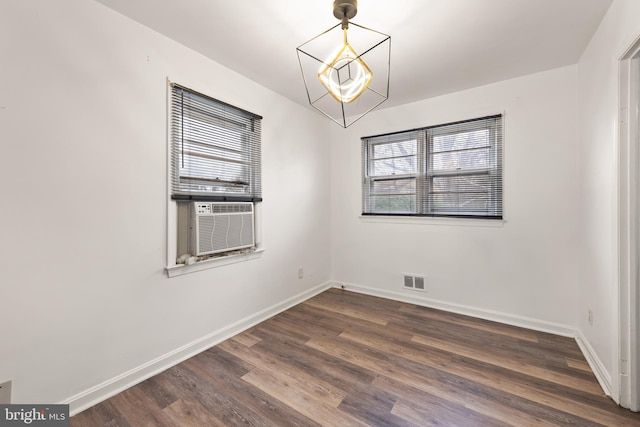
pixel 342 359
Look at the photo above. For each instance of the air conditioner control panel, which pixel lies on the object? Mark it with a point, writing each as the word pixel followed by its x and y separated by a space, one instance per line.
pixel 203 208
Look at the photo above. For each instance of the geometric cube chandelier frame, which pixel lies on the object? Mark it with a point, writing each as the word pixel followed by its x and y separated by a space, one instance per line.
pixel 346 68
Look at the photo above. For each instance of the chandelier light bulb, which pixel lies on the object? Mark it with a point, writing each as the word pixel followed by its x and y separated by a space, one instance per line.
pixel 344 74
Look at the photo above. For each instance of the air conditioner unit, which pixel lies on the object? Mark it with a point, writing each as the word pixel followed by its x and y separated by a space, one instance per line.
pixel 220 226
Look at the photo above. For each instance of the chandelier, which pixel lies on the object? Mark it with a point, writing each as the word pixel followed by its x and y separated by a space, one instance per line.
pixel 346 68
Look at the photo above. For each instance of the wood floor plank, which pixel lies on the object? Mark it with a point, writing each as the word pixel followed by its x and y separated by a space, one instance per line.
pixel 493 379
pixel 247 339
pixel 215 394
pixel 364 402
pixel 372 406
pixel 314 407
pixel 191 414
pixel 477 324
pixel 132 409
pixel 309 319
pixel 512 363
pixel 437 383
pixel 385 367
pixel 342 358
pixel 349 310
pixel 547 346
pixel 578 364
pixel 242 404
pixel 498 406
pixel 504 347
pixel 344 376
pixel 105 414
pixel 574 404
pixel 286 374
pixel 161 392
pixel 424 414
pixel 320 322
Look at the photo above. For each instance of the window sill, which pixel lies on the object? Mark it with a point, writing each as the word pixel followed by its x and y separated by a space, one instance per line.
pixel 444 221
pixel 180 269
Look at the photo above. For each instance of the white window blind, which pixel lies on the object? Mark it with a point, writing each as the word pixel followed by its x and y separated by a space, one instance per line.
pixel 215 149
pixel 446 170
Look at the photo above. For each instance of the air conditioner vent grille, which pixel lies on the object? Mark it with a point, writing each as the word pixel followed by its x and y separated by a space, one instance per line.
pixel 231 207
pixel 220 227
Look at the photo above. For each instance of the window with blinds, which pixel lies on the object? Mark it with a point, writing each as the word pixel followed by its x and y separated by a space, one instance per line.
pixel 215 149
pixel 453 169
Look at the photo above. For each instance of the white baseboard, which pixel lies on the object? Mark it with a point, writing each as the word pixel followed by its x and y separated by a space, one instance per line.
pixel 509 319
pixel 603 377
pixel 111 387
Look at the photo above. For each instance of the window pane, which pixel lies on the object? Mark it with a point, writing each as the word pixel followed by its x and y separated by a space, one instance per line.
pixel 394 158
pixel 395 149
pixel 461 150
pixel 212 156
pixel 460 141
pixel 394 166
pixel 394 195
pixel 212 131
pixel 394 186
pixel 468 159
pixel 213 151
pixel 466 193
pixel 394 204
pixel 462 203
pixel 213 171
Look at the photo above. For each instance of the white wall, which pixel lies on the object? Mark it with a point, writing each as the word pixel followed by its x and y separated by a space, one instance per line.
pixel 523 272
pixel 83 223
pixel 83 97
pixel 598 172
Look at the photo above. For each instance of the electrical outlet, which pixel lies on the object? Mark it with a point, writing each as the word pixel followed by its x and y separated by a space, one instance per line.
pixel 300 272
pixel 5 393
pixel 590 317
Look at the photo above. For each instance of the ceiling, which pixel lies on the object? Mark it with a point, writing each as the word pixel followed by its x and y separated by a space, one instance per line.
pixel 437 46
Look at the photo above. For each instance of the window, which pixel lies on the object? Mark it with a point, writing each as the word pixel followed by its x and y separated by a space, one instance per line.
pixel 214 157
pixel 447 170
pixel 215 149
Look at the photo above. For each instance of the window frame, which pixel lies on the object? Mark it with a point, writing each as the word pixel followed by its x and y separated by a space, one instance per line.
pixel 175 234
pixel 223 117
pixel 373 179
pixel 426 173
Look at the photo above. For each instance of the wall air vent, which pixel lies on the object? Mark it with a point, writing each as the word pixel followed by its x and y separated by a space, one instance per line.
pixel 411 281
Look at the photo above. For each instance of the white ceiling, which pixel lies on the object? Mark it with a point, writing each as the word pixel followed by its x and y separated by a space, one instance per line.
pixel 437 46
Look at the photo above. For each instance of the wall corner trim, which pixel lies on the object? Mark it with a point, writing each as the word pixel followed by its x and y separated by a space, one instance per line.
pixel 596 365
